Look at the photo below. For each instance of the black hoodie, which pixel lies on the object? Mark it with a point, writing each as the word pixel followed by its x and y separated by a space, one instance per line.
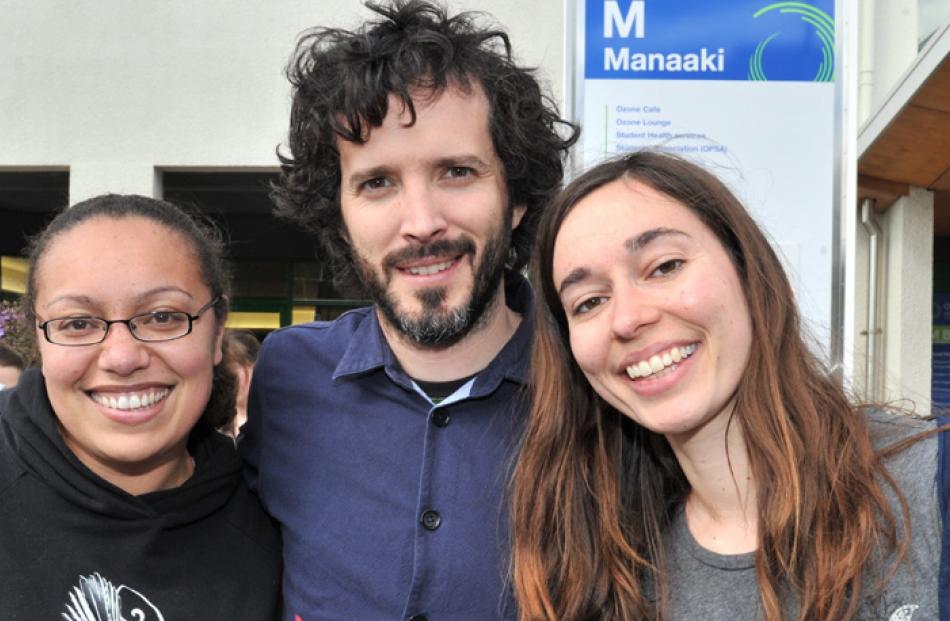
pixel 74 547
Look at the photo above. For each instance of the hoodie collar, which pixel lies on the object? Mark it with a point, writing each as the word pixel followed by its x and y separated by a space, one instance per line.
pixel 29 427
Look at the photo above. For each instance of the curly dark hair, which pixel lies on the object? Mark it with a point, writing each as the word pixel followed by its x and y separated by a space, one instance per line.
pixel 342 80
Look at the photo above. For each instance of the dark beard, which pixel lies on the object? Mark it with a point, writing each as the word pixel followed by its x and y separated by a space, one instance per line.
pixel 440 327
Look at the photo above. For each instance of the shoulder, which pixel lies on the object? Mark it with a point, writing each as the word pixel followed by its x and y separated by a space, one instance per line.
pixel 314 343
pixel 908 443
pixel 890 424
pixel 219 465
pixel 255 528
pixel 317 332
pixel 909 446
pixel 11 470
pixel 15 410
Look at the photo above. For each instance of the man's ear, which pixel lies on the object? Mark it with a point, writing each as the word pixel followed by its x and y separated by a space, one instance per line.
pixel 517 213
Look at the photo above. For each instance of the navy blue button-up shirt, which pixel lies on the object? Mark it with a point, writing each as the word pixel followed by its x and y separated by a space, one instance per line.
pixel 385 514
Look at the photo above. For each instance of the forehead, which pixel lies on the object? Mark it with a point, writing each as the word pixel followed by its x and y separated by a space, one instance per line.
pixel 106 256
pixel 452 119
pixel 630 207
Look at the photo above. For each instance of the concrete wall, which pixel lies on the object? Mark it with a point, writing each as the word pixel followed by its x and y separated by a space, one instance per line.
pixel 894 44
pixel 113 89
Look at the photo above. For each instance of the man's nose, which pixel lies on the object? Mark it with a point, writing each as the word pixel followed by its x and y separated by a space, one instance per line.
pixel 423 217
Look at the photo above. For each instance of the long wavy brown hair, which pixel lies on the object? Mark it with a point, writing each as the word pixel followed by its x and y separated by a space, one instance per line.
pixel 593 491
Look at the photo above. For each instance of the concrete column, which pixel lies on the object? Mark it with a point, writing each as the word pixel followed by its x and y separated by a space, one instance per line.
pixel 88 179
pixel 909 236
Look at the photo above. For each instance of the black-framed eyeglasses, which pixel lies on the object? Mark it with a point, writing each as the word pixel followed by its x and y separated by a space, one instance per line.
pixel 151 327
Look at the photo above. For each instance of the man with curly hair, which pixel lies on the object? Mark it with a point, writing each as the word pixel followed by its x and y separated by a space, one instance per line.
pixel 421 156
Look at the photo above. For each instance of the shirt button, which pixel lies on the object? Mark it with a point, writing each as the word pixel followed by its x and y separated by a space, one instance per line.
pixel 418 618
pixel 431 520
pixel 441 418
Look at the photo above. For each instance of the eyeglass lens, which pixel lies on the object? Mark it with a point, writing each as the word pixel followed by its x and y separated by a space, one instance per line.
pixel 160 326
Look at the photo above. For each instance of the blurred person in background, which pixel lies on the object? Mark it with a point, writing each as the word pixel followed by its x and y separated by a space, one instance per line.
pixel 240 354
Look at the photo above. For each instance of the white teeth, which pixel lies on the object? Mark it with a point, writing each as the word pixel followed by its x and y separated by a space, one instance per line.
pixel 425 270
pixel 130 401
pixel 659 362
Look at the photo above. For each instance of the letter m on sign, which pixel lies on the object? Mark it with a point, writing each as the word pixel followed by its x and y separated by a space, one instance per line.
pixel 614 18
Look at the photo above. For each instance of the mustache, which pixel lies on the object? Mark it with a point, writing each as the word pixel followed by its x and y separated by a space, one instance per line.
pixel 442 247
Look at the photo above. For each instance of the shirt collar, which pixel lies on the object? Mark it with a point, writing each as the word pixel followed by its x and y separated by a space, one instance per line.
pixel 368 349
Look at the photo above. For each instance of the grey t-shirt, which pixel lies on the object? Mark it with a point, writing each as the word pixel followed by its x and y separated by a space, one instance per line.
pixel 707 586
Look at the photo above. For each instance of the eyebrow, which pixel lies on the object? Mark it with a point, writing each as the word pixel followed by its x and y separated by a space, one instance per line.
pixel 85 299
pixel 577 275
pixel 633 244
pixel 461 160
pixel 357 177
pixel 646 237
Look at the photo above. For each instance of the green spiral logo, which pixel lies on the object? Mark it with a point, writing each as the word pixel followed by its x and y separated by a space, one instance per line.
pixel 824 29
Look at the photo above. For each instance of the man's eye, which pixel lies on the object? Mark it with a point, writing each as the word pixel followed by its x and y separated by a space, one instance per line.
pixel 459 172
pixel 589 304
pixel 667 267
pixel 376 183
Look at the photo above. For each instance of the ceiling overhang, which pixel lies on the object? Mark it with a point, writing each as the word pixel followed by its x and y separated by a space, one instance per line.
pixel 906 141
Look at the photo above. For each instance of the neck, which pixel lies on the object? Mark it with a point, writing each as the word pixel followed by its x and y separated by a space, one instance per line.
pixel 467 357
pixel 721 509
pixel 167 476
pixel 161 472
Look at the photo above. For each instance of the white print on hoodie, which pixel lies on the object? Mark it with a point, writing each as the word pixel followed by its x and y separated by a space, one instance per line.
pixel 97 599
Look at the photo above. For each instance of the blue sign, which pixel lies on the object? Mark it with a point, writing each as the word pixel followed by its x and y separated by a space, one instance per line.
pixel 940 378
pixel 748 40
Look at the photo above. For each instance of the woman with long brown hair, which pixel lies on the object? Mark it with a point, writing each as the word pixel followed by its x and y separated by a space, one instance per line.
pixel 687 455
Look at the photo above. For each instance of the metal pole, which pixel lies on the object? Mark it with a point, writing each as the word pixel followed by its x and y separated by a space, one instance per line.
pixel 869 220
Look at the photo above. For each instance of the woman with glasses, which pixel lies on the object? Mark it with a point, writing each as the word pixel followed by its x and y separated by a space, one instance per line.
pixel 118 499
